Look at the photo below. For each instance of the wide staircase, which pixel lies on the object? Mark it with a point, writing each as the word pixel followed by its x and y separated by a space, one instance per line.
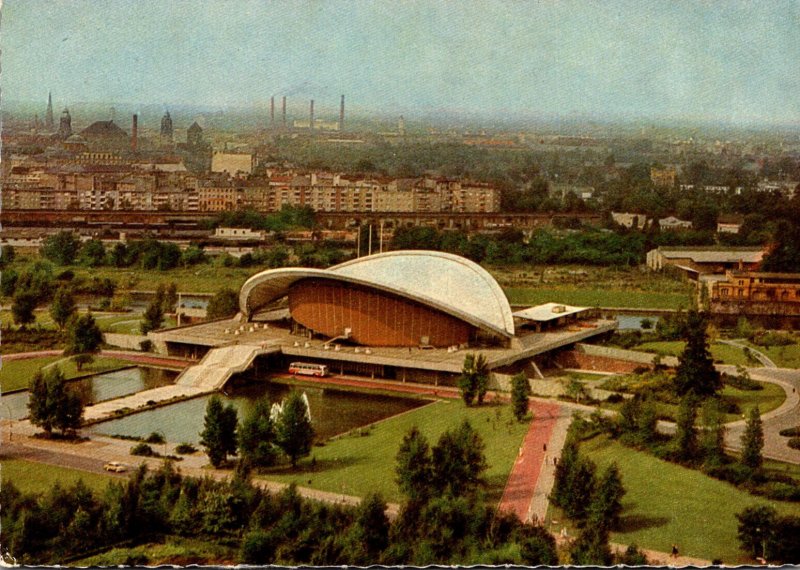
pixel 218 365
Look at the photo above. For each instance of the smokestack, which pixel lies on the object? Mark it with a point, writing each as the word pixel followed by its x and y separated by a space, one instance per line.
pixel 284 111
pixel 341 115
pixel 134 132
pixel 311 116
pixel 272 112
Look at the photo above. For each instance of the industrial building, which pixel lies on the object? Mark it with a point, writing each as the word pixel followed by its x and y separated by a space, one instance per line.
pixel 405 315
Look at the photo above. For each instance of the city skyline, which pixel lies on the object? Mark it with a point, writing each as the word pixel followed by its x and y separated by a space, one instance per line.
pixel 732 62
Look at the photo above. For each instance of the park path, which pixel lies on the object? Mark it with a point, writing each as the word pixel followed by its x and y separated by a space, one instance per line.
pixel 140 357
pixel 521 485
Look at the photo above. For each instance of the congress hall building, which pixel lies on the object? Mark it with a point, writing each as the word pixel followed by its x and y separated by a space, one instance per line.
pixel 404 315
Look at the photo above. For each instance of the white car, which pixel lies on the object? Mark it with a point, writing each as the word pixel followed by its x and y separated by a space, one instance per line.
pixel 115 467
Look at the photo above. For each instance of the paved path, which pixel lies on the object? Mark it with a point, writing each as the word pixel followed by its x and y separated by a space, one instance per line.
pixel 140 357
pixel 547 475
pixel 521 484
pixel 763 358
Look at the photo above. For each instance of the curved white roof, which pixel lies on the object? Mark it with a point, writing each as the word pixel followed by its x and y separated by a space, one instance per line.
pixel 447 282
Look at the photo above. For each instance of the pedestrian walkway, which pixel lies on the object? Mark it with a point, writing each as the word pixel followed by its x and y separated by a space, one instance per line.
pixel 219 364
pixel 521 484
pixel 547 476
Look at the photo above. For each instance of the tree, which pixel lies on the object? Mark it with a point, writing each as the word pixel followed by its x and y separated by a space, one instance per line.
pixel 219 431
pixel 474 379
pixel 591 548
pixel 170 297
pixel 696 373
pixel 413 466
pixel 193 255
pixel 224 303
pixel 371 529
pixel 256 435
pixel 537 547
pixel 83 339
pixel 294 431
pixel 606 505
pixel 61 248
pixel 23 306
pixel 93 253
pixel 63 306
pixel 686 433
pixel 458 462
pixel 753 440
pixel 51 405
pixel 756 529
pixel 574 481
pixel 784 252
pixel 520 391
pixel 154 313
pixel 712 442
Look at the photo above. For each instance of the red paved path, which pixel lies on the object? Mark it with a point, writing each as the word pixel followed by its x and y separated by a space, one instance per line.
pixel 519 491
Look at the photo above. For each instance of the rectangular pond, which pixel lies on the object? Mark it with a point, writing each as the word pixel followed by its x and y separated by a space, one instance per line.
pixel 97 388
pixel 332 412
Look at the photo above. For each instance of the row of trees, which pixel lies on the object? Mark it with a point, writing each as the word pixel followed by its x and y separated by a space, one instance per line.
pixel 444 518
pixel 263 436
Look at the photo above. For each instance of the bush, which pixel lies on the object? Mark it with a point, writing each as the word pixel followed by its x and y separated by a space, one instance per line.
pixel 773 338
pixel 155 437
pixel 734 473
pixel 142 449
pixel 794 443
pixel 146 345
pixel 185 449
pixel 615 399
pixel 741 382
pixel 790 432
pixel 780 491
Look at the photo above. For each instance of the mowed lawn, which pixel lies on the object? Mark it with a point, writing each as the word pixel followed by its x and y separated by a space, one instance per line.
pixel 17 374
pixel 783 356
pixel 597 297
pixel 358 465
pixel 667 504
pixel 724 353
pixel 34 477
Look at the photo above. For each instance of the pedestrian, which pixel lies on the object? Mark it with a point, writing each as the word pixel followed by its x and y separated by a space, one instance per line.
pixel 563 532
pixel 674 550
pixel 544 447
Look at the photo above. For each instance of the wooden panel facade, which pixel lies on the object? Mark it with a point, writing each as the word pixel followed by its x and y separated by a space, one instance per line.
pixel 375 318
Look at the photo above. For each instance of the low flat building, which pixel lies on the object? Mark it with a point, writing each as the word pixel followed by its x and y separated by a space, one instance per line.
pixel 628 220
pixel 705 260
pixel 673 223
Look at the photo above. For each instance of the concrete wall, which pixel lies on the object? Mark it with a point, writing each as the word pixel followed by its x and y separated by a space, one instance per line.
pixel 609 359
pixel 128 341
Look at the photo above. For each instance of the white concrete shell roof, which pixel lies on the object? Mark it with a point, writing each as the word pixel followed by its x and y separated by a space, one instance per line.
pixel 449 283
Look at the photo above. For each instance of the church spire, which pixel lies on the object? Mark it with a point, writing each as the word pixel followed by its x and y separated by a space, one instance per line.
pixel 49 122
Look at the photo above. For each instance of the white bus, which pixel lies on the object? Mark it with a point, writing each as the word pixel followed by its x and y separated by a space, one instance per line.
pixel 308 369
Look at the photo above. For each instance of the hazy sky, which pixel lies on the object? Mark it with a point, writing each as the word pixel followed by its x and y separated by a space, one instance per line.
pixel 727 59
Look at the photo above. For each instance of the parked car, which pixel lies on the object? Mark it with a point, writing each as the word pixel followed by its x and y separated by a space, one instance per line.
pixel 115 467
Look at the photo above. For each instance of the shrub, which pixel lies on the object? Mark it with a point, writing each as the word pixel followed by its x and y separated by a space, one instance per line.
pixel 794 443
pixel 780 491
pixel 741 382
pixel 790 432
pixel 155 437
pixel 185 449
pixel 734 473
pixel 142 449
pixel 615 398
pixel 773 338
pixel 146 345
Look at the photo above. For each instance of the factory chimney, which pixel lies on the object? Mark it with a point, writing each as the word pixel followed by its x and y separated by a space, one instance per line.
pixel 311 116
pixel 341 115
pixel 272 112
pixel 134 132
pixel 283 111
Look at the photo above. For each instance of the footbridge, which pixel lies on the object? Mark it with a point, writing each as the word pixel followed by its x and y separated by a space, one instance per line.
pixel 219 364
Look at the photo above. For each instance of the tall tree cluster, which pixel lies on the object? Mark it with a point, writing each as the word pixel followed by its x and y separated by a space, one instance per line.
pixel 52 405
pixel 696 373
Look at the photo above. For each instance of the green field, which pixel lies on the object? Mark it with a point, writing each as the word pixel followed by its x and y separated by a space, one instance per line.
pixel 32 477
pixel 724 353
pixel 594 297
pixel 783 356
pixel 175 550
pixel 357 465
pixel 667 504
pixel 17 374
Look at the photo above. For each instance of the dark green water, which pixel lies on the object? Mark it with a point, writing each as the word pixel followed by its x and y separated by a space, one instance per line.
pixel 105 386
pixel 332 412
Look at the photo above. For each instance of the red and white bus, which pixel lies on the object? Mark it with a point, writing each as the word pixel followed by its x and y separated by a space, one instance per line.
pixel 308 369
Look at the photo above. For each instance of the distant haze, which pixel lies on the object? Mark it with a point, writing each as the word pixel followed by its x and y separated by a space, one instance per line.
pixel 730 61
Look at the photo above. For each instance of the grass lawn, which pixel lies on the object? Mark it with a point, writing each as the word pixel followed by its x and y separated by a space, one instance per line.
pixel 596 297
pixel 357 465
pixel 178 551
pixel 16 374
pixel 33 477
pixel 667 504
pixel 783 356
pixel 126 323
pixel 767 399
pixel 719 352
pixel 43 319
